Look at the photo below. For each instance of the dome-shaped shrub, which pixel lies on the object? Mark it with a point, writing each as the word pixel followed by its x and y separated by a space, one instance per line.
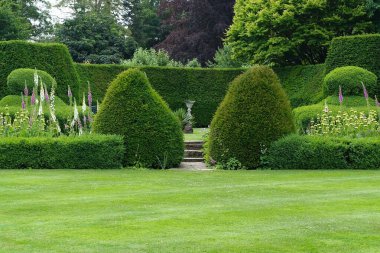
pixel 17 78
pixel 350 78
pixel 254 113
pixel 132 108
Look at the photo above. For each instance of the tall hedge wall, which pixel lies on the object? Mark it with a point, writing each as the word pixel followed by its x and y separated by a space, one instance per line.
pixel 207 87
pixel 361 50
pixel 50 57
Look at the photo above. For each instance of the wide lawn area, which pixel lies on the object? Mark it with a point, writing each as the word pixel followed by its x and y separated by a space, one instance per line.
pixel 183 211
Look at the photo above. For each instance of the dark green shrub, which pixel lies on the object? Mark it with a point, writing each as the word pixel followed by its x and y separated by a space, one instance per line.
pixel 314 152
pixel 360 50
pixel 350 78
pixel 254 113
pixel 84 152
pixel 53 58
pixel 19 77
pixel 364 153
pixel 152 133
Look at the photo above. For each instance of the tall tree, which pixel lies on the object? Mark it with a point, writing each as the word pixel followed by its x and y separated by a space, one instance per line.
pixel 286 32
pixel 99 6
pixel 197 27
pixel 30 17
pixel 96 38
pixel 142 19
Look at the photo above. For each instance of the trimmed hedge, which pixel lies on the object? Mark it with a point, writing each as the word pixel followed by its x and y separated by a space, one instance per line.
pixel 350 79
pixel 207 87
pixel 132 108
pixel 254 113
pixel 314 152
pixel 360 50
pixel 19 77
pixel 84 152
pixel 303 84
pixel 50 57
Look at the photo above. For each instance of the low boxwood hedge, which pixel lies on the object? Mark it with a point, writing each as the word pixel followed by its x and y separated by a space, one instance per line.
pixel 320 152
pixel 83 152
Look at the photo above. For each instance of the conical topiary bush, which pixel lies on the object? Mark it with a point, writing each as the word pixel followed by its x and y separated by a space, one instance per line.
pixel 254 113
pixel 133 109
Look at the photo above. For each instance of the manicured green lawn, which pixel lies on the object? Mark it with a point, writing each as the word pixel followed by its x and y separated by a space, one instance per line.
pixel 182 211
pixel 197 135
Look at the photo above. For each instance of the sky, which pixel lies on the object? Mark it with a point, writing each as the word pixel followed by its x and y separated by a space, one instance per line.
pixel 59 14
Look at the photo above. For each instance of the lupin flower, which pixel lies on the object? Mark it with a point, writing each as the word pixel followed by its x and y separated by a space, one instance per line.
pixel 23 104
pixel 89 118
pixel 46 94
pixel 326 109
pixel 42 92
pixel 84 104
pixel 76 113
pixel 377 101
pixel 89 95
pixel 70 94
pixel 365 91
pixel 340 95
pixel 33 98
pixel 26 91
pixel 35 78
pixel 40 111
pixel 97 105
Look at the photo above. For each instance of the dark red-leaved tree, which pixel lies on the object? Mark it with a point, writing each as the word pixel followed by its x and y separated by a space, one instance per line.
pixel 197 27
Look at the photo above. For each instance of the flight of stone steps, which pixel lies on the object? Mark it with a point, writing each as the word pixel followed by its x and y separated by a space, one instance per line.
pixel 193 152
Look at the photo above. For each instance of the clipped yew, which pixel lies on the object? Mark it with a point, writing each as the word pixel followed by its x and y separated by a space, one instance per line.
pixel 133 109
pixel 254 113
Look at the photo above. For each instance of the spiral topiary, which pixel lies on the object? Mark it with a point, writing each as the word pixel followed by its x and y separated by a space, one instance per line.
pixel 350 78
pixel 133 109
pixel 254 113
pixel 17 79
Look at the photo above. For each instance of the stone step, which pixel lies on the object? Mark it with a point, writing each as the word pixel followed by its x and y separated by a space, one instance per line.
pixel 193 145
pixel 193 160
pixel 193 154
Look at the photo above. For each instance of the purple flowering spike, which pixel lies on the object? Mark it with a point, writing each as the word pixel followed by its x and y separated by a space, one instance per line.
pixel 23 104
pixel 89 118
pixel 377 101
pixel 89 96
pixel 69 93
pixel 340 95
pixel 46 95
pixel 33 98
pixel 26 91
pixel 84 120
pixel 365 91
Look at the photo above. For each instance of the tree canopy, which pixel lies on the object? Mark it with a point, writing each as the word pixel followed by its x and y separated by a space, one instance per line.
pixel 96 38
pixel 196 27
pixel 286 32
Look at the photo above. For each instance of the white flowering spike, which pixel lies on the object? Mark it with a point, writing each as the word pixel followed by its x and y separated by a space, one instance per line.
pixel 84 104
pixel 42 93
pixel 76 113
pixel 35 78
pixel 40 111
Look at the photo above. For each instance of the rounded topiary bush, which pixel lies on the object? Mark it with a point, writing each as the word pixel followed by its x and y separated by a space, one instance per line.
pixel 254 113
pixel 350 78
pixel 133 109
pixel 17 79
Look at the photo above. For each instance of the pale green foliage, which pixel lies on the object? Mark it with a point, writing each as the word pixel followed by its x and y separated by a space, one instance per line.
pixel 294 32
pixel 351 123
pixel 224 59
pixel 160 58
